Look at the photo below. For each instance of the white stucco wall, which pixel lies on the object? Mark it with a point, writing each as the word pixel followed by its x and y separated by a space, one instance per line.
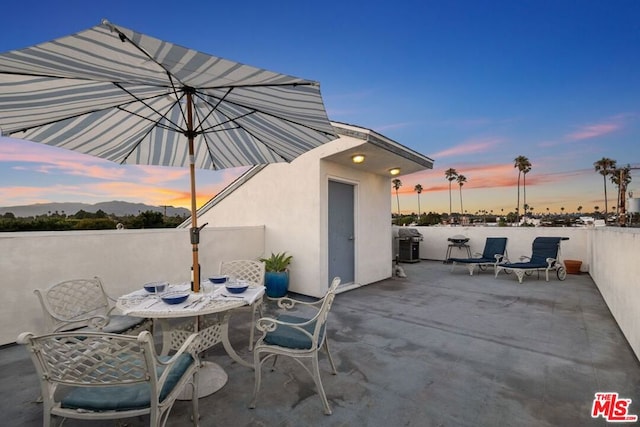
pixel 123 259
pixel 291 200
pixel 616 271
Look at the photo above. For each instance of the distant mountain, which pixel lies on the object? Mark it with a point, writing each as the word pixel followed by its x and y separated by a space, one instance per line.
pixel 115 207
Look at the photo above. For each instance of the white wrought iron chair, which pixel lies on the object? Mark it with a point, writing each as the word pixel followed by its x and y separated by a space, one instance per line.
pixel 100 376
pixel 300 338
pixel 83 304
pixel 253 273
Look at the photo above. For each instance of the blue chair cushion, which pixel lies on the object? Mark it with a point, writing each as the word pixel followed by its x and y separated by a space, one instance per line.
pixel 120 323
pixel 288 337
pixel 125 397
pixel 474 260
pixel 542 248
pixel 526 265
pixel 494 246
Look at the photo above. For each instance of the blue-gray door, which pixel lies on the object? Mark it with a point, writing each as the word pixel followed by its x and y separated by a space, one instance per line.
pixel 341 231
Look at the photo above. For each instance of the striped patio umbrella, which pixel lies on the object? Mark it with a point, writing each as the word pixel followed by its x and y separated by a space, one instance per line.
pixel 133 99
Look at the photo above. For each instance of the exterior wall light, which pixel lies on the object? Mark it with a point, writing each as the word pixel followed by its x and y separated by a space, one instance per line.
pixel 394 171
pixel 358 158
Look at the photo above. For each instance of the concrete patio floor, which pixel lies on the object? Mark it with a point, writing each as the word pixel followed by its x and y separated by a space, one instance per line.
pixel 438 348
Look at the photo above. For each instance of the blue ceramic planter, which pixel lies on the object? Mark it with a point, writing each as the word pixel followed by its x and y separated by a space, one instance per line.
pixel 276 283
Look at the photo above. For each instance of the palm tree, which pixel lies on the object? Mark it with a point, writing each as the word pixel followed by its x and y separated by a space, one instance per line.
pixel 621 177
pixel 525 171
pixel 604 167
pixel 461 179
pixel 397 184
pixel 418 189
pixel 451 174
pixel 522 163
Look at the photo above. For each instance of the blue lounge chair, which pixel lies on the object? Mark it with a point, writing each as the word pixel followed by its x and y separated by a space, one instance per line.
pixel 545 256
pixel 494 253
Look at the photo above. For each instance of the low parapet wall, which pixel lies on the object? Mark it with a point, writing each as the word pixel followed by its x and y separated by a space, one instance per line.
pixel 123 259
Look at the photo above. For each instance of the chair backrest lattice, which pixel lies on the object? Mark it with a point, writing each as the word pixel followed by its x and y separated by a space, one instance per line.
pixel 68 301
pixel 248 270
pixel 89 359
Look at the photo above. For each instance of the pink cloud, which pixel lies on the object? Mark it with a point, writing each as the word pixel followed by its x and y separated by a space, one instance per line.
pixel 47 160
pixel 471 147
pixel 593 131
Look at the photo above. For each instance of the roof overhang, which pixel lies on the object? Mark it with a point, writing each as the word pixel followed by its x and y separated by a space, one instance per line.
pixel 381 153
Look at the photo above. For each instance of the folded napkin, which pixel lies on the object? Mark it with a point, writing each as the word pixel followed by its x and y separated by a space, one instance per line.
pixel 140 293
pixel 251 295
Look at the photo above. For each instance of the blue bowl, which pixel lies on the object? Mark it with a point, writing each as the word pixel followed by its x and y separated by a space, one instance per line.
pixel 236 288
pixel 175 297
pixel 156 287
pixel 218 280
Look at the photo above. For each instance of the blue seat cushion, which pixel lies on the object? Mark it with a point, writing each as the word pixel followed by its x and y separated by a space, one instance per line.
pixel 288 337
pixel 120 323
pixel 125 397
pixel 474 260
pixel 526 265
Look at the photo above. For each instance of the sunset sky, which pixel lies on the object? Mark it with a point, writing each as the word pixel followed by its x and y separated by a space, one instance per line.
pixel 471 84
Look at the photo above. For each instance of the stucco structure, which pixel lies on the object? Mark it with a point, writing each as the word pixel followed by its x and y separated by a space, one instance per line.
pixel 291 200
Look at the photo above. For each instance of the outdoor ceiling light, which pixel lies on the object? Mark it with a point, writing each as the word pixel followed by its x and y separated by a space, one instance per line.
pixel 358 158
pixel 394 171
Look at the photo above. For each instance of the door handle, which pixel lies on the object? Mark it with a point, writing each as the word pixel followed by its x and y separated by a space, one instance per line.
pixel 350 237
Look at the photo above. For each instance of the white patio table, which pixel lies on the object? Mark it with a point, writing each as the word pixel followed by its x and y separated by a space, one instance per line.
pixel 206 313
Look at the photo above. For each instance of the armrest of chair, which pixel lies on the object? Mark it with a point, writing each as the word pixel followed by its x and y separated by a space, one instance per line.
pixel 23 338
pixel 190 346
pixel 270 324
pixel 287 303
pixel 97 321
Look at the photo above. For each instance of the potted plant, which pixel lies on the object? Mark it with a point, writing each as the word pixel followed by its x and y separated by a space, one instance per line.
pixel 276 278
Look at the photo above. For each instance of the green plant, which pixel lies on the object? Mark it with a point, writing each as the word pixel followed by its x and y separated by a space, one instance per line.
pixel 277 262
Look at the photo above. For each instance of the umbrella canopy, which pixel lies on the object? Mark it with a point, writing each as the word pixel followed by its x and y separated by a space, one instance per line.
pixel 133 99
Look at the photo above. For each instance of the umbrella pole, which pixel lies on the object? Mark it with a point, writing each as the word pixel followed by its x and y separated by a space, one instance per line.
pixel 195 231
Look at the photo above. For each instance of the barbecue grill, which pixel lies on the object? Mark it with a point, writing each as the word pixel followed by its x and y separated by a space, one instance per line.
pixel 458 241
pixel 409 244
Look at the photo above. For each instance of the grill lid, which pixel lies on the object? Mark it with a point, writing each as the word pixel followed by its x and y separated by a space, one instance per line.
pixel 458 238
pixel 409 233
